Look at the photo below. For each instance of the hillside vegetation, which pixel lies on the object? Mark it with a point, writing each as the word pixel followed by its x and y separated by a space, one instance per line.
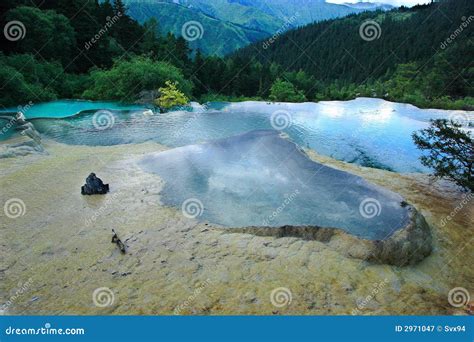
pixel 228 25
pixel 421 55
pixel 411 58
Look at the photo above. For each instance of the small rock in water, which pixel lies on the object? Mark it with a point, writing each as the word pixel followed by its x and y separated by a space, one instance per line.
pixel 94 185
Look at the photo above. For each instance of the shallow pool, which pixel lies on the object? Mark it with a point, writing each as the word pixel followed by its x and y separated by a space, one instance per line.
pixel 369 132
pixel 262 179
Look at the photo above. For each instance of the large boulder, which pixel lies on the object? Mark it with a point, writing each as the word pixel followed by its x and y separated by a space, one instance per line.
pixel 94 186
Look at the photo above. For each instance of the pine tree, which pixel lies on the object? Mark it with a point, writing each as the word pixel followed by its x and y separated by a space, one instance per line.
pixel 119 7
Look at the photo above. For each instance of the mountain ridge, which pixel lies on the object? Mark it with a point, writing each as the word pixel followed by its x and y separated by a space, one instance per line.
pixel 238 22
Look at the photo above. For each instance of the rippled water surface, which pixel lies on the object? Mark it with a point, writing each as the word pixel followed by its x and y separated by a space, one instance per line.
pixel 65 108
pixel 369 132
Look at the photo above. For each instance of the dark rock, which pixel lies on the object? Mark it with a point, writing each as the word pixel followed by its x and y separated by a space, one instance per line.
pixel 120 244
pixel 94 185
pixel 148 97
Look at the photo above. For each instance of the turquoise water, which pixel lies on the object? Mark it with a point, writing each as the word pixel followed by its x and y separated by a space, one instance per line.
pixel 262 179
pixel 60 109
pixel 369 132
pixel 65 108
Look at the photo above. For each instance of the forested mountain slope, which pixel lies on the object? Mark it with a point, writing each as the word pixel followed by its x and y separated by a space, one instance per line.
pixel 431 44
pixel 227 25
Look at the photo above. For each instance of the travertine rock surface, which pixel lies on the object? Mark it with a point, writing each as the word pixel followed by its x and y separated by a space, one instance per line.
pixel 56 254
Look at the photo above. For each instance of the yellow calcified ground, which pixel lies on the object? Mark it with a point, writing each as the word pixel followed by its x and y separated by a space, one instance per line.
pixel 60 251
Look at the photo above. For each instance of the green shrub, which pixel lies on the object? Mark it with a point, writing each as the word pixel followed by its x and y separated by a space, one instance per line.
pixel 126 79
pixel 284 91
pixel 170 96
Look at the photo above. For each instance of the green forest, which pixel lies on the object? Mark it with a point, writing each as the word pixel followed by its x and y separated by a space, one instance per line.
pixel 95 50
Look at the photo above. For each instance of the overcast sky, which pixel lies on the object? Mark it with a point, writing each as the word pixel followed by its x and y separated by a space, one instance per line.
pixel 391 2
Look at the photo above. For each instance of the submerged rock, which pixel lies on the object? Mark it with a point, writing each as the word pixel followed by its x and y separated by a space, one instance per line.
pixel 94 186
